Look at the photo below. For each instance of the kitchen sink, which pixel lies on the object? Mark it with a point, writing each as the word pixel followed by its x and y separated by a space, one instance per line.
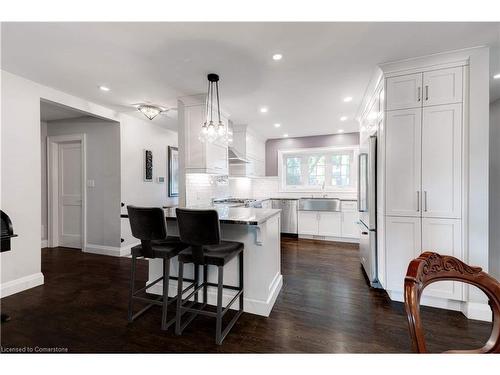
pixel 319 204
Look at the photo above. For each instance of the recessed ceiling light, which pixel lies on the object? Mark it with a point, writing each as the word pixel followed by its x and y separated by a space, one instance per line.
pixel 263 110
pixel 343 118
pixel 341 130
pixel 285 135
pixel 347 99
pixel 277 56
pixel 496 76
pixel 277 125
pixel 104 88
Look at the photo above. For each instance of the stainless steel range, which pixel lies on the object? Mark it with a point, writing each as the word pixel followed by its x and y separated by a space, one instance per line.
pixel 234 202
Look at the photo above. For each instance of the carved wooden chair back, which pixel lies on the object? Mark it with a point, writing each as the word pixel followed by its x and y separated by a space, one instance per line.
pixel 430 267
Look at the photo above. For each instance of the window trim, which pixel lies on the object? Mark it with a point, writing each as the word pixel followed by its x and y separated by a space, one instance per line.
pixel 283 187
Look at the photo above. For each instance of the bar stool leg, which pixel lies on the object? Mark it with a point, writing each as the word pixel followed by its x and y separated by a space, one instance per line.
pixel 179 299
pixel 205 281
pixel 166 280
pixel 196 280
pixel 131 292
pixel 218 327
pixel 241 280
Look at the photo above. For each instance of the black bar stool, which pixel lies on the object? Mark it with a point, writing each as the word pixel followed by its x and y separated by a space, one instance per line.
pixel 201 230
pixel 148 225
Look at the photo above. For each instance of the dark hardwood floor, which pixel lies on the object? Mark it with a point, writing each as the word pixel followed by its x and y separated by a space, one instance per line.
pixel 325 306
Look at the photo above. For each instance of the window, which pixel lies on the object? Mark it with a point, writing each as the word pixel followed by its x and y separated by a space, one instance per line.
pixel 319 169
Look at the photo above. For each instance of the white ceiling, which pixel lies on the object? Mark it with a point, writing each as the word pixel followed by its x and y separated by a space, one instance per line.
pixel 157 62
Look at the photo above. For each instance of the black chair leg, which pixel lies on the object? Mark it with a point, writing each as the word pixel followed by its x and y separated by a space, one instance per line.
pixel 205 281
pixel 166 279
pixel 131 293
pixel 218 326
pixel 196 280
pixel 179 299
pixel 241 280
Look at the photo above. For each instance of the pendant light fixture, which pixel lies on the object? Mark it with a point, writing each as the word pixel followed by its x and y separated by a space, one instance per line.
pixel 213 128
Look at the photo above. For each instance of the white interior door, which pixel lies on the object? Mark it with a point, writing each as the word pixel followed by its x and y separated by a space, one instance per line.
pixel 403 162
pixel 70 194
pixel 442 161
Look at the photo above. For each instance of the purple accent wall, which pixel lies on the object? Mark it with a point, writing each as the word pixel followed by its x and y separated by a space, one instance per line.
pixel 273 145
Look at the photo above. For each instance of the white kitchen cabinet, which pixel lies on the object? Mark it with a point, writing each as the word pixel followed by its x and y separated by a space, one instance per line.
pixel 404 91
pixel 403 239
pixel 349 227
pixel 442 86
pixel 442 161
pixel 403 162
pixel 308 223
pixel 329 224
pixel 200 157
pixel 443 236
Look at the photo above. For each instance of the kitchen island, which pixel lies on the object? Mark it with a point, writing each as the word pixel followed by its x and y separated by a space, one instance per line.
pixel 259 230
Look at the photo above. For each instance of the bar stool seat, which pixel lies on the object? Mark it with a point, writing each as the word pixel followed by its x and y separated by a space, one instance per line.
pixel 166 248
pixel 217 255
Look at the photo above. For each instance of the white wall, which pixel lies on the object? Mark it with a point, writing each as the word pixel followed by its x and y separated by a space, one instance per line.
pixel 20 195
pixel 43 156
pixel 103 166
pixel 136 136
pixel 495 189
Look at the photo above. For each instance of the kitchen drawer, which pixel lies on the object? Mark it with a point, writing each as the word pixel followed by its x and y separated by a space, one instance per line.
pixel 349 206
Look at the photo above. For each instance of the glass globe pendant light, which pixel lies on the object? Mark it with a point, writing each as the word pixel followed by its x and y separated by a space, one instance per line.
pixel 213 128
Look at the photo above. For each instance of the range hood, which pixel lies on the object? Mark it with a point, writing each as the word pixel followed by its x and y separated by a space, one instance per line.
pixel 235 157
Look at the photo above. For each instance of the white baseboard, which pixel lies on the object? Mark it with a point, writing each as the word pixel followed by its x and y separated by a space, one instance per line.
pixel 106 250
pixel 125 249
pixel 252 306
pixel 44 244
pixel 472 310
pixel 23 283
pixel 329 238
pixel 478 311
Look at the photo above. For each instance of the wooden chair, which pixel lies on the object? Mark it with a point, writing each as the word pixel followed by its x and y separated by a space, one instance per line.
pixel 430 267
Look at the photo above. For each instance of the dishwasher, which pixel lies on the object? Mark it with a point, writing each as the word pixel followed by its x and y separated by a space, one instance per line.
pixel 289 212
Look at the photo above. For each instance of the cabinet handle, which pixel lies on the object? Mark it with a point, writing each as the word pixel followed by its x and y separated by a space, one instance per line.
pixel 418 201
pixel 418 94
pixel 426 92
pixel 425 201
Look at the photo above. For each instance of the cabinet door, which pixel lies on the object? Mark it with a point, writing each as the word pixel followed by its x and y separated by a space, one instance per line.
pixel 349 225
pixel 308 222
pixel 403 243
pixel 403 163
pixel 404 92
pixel 329 224
pixel 442 161
pixel 443 86
pixel 443 236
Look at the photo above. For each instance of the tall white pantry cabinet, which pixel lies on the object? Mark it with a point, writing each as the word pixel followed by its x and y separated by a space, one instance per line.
pixel 423 172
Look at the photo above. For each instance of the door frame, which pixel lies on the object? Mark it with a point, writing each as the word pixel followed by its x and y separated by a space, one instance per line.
pixel 53 143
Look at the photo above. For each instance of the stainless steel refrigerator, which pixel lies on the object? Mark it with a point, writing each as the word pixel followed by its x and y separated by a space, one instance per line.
pixel 367 206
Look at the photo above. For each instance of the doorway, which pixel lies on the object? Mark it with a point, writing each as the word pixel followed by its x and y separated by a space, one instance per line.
pixel 66 176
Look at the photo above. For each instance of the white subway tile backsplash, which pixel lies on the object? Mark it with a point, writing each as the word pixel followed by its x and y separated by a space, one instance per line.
pixel 201 188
